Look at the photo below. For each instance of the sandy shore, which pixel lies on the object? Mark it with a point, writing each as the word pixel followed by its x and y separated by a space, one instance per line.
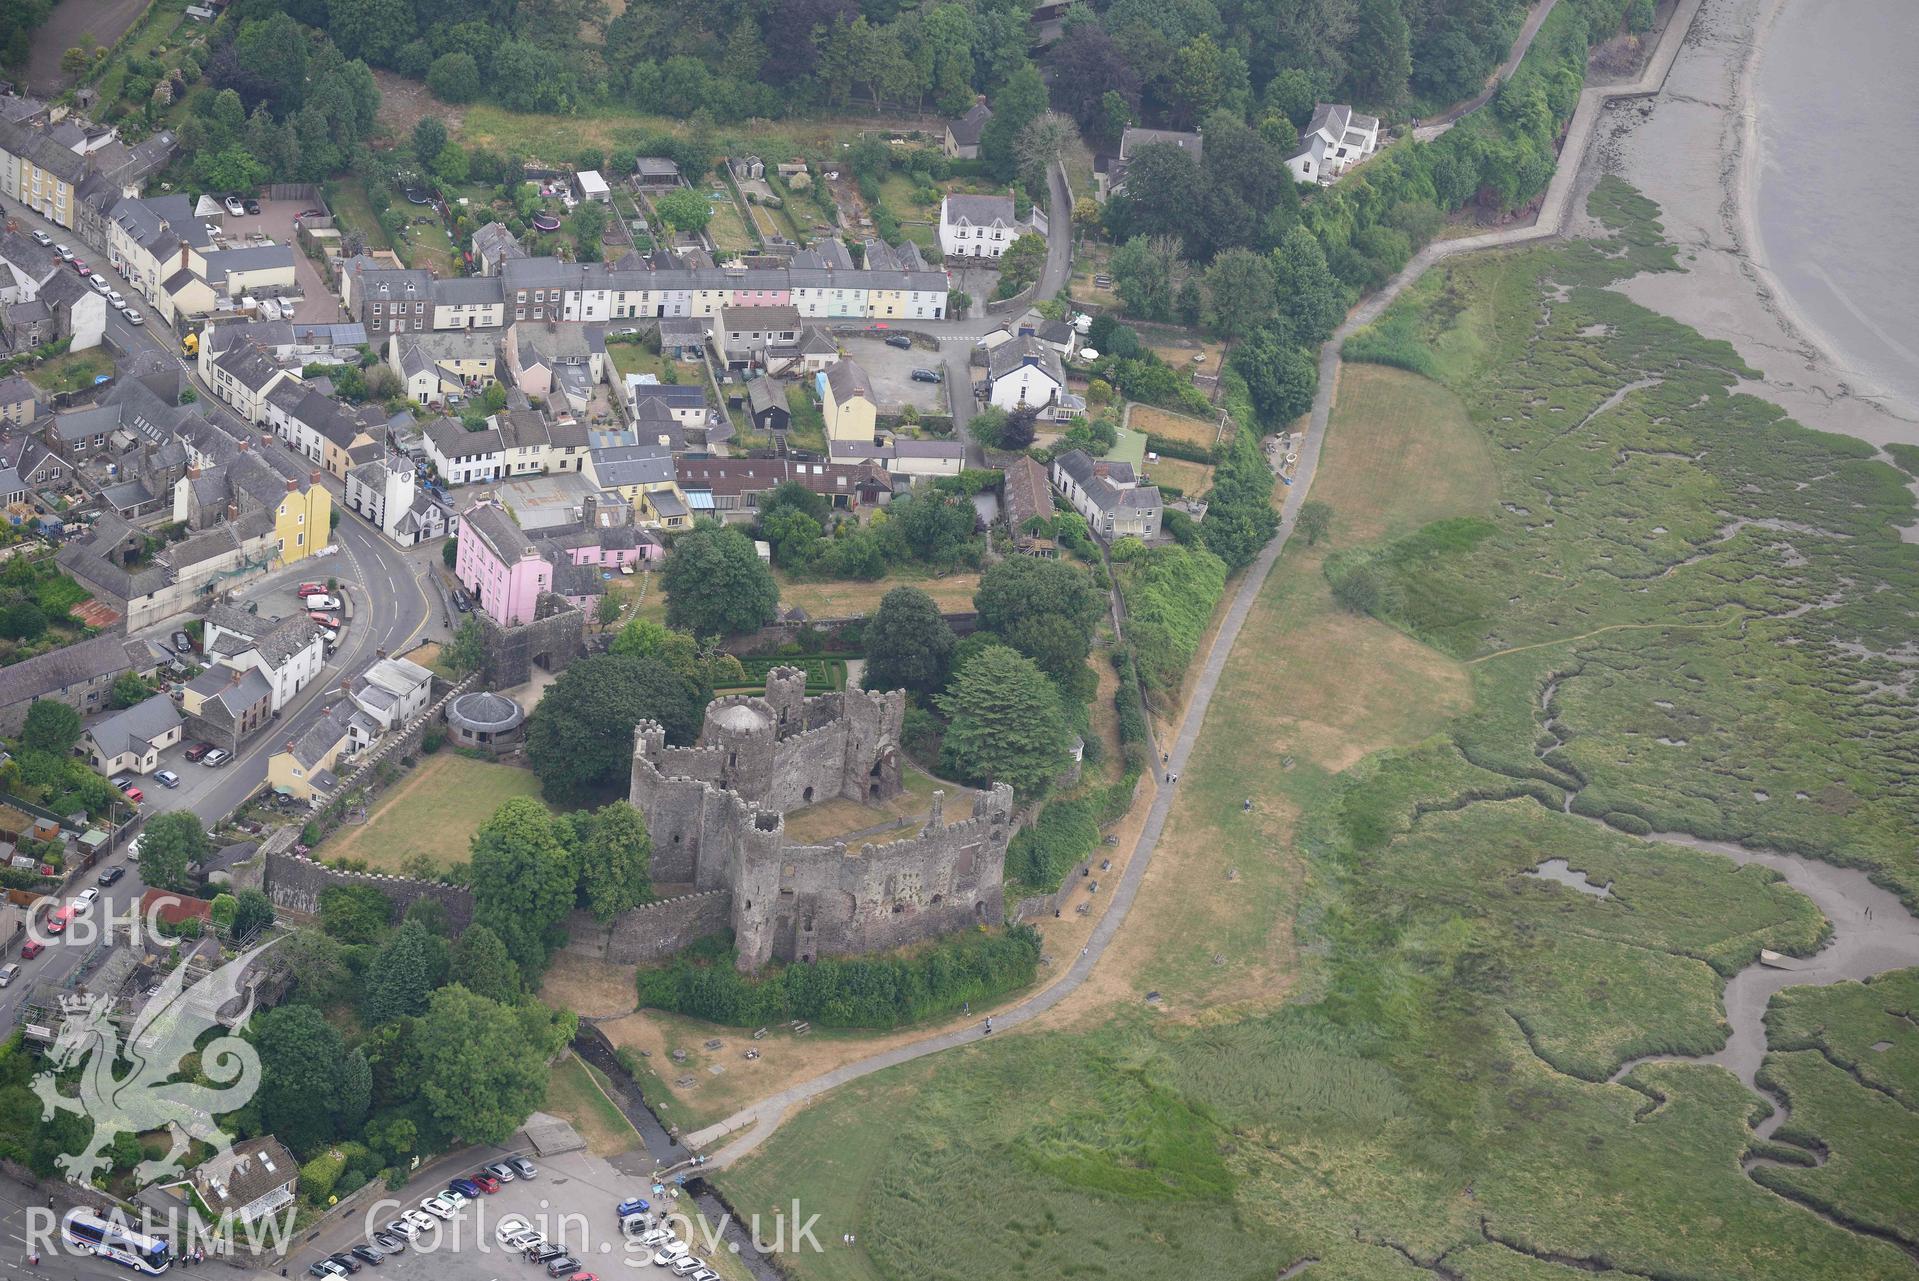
pixel 1693 150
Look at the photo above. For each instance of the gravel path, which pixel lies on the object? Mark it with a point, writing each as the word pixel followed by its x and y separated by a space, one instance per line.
pixel 751 1126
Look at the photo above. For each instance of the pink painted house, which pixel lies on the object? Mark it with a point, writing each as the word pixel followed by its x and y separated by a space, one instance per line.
pixel 760 297
pixel 498 564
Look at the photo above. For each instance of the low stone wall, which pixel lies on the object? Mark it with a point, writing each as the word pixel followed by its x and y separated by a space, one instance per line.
pixel 295 883
pixel 651 933
pixel 392 747
pixel 770 638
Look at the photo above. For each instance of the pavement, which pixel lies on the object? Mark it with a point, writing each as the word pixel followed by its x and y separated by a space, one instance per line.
pixel 746 1129
pixel 891 369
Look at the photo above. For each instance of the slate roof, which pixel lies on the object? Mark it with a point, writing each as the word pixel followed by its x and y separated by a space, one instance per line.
pixel 322 736
pixel 966 129
pixel 250 1171
pixel 848 380
pixel 137 727
pixel 632 465
pixel 1027 493
pixel 233 691
pixel 1009 356
pixel 979 211
pixel 490 523
pixel 451 438
pixel 58 669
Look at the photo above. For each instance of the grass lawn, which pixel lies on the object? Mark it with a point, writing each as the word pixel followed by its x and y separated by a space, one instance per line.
pixel 807 428
pixel 352 212
pixel 1163 422
pixel 1191 479
pixel 574 1093
pixel 831 819
pixel 728 230
pixel 845 599
pixel 609 126
pixel 71 372
pixel 432 812
pixel 634 358
pixel 1380 1041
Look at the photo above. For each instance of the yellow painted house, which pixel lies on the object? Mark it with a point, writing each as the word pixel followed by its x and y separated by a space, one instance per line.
pixel 846 398
pixel 304 766
pixel 303 522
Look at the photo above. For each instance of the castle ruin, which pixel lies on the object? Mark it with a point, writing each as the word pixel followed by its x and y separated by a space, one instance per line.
pixel 716 812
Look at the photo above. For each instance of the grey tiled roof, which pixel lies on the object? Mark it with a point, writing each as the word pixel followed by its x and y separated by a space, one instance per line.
pixel 136 727
pixel 55 670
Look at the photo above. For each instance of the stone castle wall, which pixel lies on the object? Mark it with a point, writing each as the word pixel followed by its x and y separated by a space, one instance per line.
pixel 716 816
pixel 295 884
pixel 651 933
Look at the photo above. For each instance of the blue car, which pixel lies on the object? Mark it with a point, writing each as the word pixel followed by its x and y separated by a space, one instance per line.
pixel 466 1188
pixel 634 1205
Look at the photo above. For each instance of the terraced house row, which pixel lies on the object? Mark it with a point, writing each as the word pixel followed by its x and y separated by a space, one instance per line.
pixel 820 283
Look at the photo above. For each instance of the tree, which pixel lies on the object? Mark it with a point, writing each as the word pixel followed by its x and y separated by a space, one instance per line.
pixel 1022 263
pixel 588 225
pixel 1018 103
pixel 484 966
pixel 302 1068
pixel 429 136
pixel 169 843
pixel 354 913
pixel 483 1064
pixel 716 584
pixel 987 424
pixel 1314 522
pixel 792 535
pixel 615 859
pixel 1091 75
pixel 1163 189
pixel 51 726
pixel 317 964
pixel 580 736
pixel 23 620
pixel 403 974
pixel 467 650
pixel 454 77
pixel 1310 298
pixel 934 527
pixel 1005 725
pixel 606 611
pixel 1039 144
pixel 129 690
pixel 1281 376
pixel 232 169
pixel 1144 271
pixel 523 879
pixel 1046 609
pixel 1379 55
pixel 705 668
pixel 908 644
pixel 1239 293
pixel 1022 425
pixel 252 911
pixel 684 210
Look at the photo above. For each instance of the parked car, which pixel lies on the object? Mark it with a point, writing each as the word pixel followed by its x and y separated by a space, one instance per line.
pixel 632 1205
pixel 461 601
pixel 523 1167
pixel 437 1206
pixel 253 208
pixel 305 590
pixel 320 600
pixel 523 1240
pixel 63 253
pixel 85 899
pixel 134 794
pixel 100 283
pixel 454 1197
pixel 182 643
pixel 329 621
pixel 501 1171
pixel 673 1248
pixel 166 778
pixel 420 1220
pixel 8 973
pixel 903 341
pixel 484 1181
pixel 511 1225
pixel 135 318
pixel 115 872
pixel 686 1265
pixel 564 1266
pixel 197 751
pixel 465 1189
pixel 42 238
pixel 216 758
pixel 367 1254
pixel 235 207
pixel 31 948
pixel 389 1242
pixel 346 1261
pixel 326 1269
pixel 313 213
pixel 543 1252
pixel 704 1274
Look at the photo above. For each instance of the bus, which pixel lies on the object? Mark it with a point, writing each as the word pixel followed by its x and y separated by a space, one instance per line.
pixel 115 1241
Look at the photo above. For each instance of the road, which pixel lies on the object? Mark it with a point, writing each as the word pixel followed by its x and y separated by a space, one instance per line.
pixel 752 1125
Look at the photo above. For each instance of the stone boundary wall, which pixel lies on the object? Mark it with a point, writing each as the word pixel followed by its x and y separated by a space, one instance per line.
pixel 654 932
pixel 769 638
pixel 295 883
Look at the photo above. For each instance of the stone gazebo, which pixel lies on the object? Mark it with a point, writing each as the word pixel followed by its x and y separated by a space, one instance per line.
pixel 489 721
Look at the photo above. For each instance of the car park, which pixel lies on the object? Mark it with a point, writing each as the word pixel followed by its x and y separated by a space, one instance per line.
pixel 216 758
pixel 166 778
pixel 367 1254
pixel 523 1167
pixel 564 1266
pixel 437 1206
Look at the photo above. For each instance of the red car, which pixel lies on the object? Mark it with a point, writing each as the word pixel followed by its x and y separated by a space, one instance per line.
pixel 305 590
pixel 57 920
pixel 486 1181
pixel 329 621
pixel 31 948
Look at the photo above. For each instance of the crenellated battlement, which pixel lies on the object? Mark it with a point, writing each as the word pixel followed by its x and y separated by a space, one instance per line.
pixel 716 813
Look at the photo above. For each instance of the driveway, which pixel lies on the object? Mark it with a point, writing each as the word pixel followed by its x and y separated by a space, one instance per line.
pixel 891 369
pixel 275 220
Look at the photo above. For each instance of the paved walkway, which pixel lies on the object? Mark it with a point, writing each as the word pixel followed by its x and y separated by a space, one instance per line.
pixel 1446 119
pixel 754 1124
